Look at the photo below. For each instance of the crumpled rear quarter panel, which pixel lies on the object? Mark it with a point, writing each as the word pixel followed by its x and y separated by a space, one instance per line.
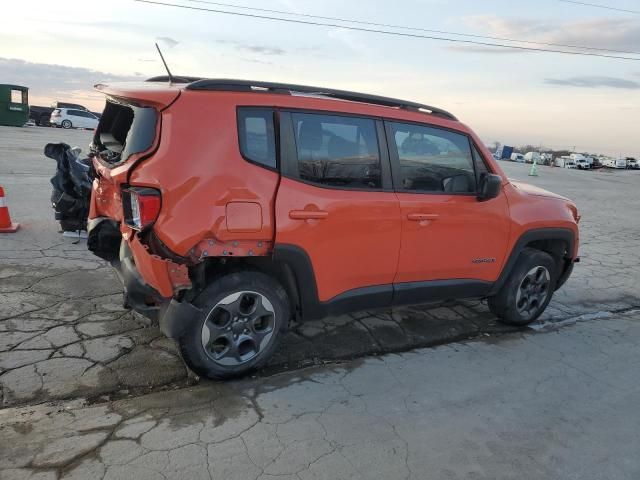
pixel 203 177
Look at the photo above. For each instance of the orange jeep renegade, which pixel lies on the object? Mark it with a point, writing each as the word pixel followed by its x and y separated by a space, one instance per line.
pixel 230 207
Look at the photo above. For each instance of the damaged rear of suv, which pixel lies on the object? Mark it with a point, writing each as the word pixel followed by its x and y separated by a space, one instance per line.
pixel 230 207
pixel 174 206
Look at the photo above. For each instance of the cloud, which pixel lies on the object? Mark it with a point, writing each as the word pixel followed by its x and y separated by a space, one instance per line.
pixel 262 50
pixel 606 33
pixel 251 48
pixel 168 41
pixel 594 82
pixel 55 81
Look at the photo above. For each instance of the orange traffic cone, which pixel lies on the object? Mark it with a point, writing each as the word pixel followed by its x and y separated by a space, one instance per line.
pixel 5 220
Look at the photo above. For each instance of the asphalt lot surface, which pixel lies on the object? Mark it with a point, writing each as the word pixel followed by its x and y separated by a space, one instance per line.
pixel 64 336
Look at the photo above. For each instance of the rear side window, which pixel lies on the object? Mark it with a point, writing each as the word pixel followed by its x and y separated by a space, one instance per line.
pixel 433 160
pixel 337 151
pixel 257 136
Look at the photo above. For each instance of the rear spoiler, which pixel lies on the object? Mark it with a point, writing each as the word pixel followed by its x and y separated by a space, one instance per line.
pixel 154 94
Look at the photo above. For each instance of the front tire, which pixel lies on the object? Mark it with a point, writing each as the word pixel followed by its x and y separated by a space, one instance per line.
pixel 66 124
pixel 528 289
pixel 245 314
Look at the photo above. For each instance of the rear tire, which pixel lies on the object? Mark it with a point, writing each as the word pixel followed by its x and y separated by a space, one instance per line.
pixel 66 124
pixel 528 289
pixel 245 314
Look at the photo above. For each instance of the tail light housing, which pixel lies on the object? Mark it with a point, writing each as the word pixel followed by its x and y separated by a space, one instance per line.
pixel 141 206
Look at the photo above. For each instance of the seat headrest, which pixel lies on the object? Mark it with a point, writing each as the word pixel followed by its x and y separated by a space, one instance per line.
pixel 310 137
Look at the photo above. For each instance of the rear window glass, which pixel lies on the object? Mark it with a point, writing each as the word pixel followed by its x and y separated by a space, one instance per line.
pixel 124 130
pixel 257 136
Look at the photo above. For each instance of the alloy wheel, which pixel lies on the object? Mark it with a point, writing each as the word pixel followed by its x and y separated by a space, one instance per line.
pixel 533 291
pixel 238 328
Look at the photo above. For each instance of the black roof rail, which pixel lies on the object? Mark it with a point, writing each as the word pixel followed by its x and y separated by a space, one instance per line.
pixel 287 88
pixel 176 79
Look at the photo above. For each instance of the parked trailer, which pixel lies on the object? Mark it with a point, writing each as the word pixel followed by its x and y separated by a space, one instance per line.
pixel 517 157
pixel 531 157
pixel 504 152
pixel 564 162
pixel 619 163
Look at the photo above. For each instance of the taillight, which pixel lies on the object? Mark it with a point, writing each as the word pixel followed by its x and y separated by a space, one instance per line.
pixel 141 206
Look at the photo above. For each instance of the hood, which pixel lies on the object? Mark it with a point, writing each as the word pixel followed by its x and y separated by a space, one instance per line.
pixel 537 191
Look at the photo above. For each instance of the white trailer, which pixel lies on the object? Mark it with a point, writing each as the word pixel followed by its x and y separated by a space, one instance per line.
pixel 531 157
pixel 517 157
pixel 611 162
pixel 564 162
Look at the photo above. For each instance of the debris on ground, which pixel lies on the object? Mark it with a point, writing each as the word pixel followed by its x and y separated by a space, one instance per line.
pixel 71 186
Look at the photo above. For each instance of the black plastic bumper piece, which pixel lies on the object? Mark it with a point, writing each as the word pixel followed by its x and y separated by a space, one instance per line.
pixel 104 238
pixel 177 317
pixel 173 317
pixel 138 295
pixel 566 273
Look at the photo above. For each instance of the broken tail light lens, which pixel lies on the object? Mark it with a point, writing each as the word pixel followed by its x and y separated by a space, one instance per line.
pixel 141 206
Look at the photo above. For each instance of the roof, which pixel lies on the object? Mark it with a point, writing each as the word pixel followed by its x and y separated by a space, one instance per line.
pixel 13 87
pixel 232 85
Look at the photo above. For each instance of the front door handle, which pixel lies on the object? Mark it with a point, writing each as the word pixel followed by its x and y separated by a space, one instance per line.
pixel 308 214
pixel 420 217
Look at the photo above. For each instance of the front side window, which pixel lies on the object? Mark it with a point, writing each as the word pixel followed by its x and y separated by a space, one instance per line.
pixel 257 135
pixel 337 151
pixel 432 160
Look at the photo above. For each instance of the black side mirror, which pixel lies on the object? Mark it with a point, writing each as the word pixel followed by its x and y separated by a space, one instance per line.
pixel 489 186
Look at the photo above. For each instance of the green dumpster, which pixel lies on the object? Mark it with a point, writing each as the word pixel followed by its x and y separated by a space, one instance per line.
pixel 14 105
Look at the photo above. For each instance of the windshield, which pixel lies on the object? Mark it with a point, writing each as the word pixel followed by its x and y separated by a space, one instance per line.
pixel 124 130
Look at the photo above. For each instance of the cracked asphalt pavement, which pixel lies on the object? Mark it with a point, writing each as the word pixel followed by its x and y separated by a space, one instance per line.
pixel 66 340
pixel 525 405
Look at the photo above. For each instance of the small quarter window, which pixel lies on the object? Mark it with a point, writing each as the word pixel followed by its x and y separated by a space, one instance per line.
pixel 257 135
pixel 433 159
pixel 337 151
pixel 481 167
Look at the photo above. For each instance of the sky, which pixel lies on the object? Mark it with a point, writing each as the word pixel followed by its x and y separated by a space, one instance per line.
pixel 590 104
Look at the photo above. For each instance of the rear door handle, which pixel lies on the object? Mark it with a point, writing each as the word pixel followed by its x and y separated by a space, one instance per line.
pixel 308 214
pixel 419 217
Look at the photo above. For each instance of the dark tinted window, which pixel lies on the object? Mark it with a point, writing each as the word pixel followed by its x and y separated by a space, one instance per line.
pixel 337 151
pixel 79 113
pixel 433 159
pixel 257 135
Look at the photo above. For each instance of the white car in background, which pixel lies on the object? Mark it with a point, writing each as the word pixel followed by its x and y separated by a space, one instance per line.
pixel 72 118
pixel 582 164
